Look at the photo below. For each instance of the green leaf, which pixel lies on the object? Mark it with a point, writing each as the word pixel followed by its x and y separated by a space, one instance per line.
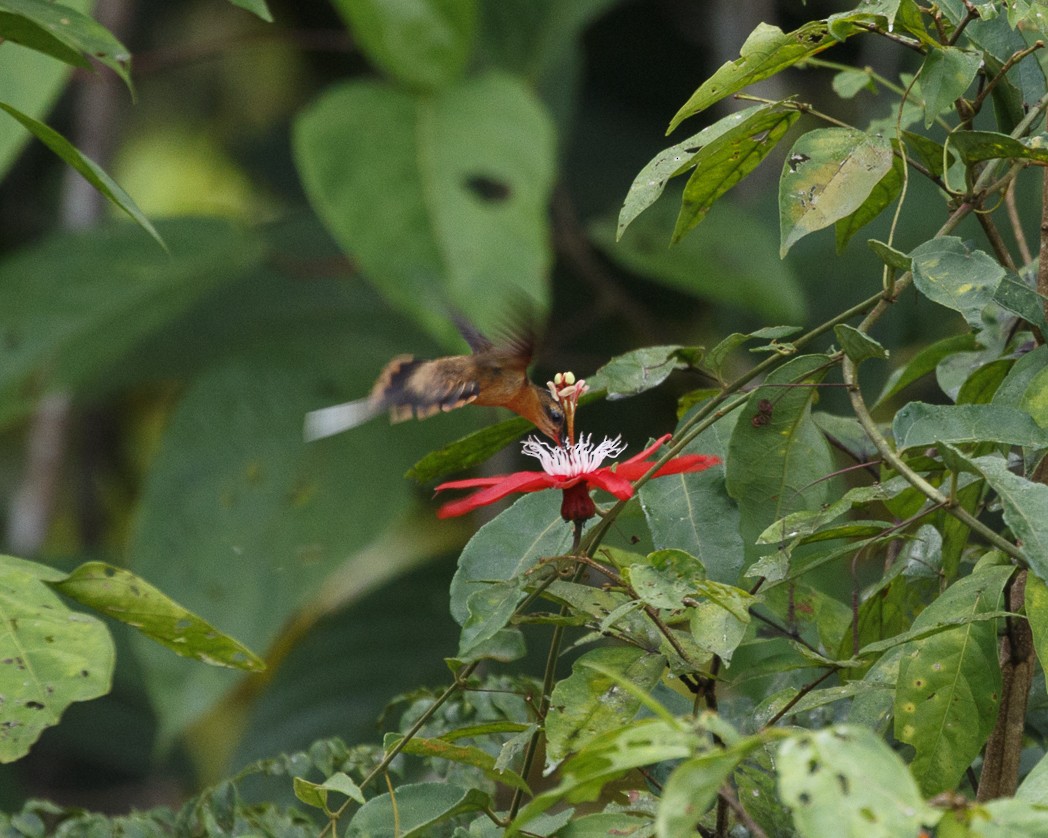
pixel 919 425
pixel 248 526
pixel 925 362
pixel 76 304
pixel 256 7
pixel 848 83
pixel 931 153
pixel 857 345
pixel 471 755
pixel 316 794
pixel 719 622
pixel 828 175
pixel 509 546
pixel 30 81
pixel 725 161
pixel 471 450
pixel 91 171
pixel 717 357
pixel 751 279
pixel 946 74
pixel 650 182
pixel 779 466
pixel 64 33
pixel 608 757
pixel 1001 818
pixel 693 787
pixel 976 146
pixel 947 272
pixel 417 809
pixel 665 578
pixel 1037 616
pixel 805 522
pixel 845 780
pixel 1021 299
pixel 766 51
pixel 884 192
pixel 642 369
pixel 119 594
pixel 894 259
pixel 421 43
pixel 694 513
pixel 949 684
pixel 1023 502
pixel 457 218
pixel 49 656
pixel 590 702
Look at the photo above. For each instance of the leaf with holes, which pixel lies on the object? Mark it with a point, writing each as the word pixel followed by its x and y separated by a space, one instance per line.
pixel 828 175
pixel 590 701
pixel 949 683
pixel 766 51
pixel 456 214
pixel 951 274
pixel 845 780
pixel 884 192
pixel 50 656
pixel 119 594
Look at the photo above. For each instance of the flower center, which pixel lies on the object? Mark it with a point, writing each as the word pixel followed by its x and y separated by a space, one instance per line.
pixel 572 460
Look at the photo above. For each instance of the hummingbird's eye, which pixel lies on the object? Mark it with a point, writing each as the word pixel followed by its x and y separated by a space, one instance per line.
pixel 555 414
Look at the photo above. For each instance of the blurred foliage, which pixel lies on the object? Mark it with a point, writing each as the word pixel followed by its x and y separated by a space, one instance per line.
pixel 316 188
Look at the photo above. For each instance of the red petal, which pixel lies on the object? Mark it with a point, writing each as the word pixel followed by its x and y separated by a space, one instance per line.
pixel 611 481
pixel 683 463
pixel 521 481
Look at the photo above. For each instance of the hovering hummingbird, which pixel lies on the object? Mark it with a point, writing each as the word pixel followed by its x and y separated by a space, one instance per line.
pixel 495 375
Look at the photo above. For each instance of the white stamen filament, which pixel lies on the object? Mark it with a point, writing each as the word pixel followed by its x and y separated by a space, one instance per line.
pixel 573 460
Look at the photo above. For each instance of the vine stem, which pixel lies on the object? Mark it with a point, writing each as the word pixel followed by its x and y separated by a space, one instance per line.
pixel 548 677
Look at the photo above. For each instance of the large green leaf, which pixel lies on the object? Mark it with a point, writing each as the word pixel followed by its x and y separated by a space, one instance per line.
pixel 77 303
pixel 241 521
pixel 416 810
pixel 779 463
pixel 440 199
pixel 590 701
pixel 1022 299
pixel 64 33
pixel 752 278
pixel 919 425
pixel 829 174
pixel 694 512
pixel 949 683
pixel 511 544
pixel 50 656
pixel 766 51
pixel 884 192
pixel 948 272
pixel 421 43
pixel 92 172
pixel 120 594
pixel 846 781
pixel 724 161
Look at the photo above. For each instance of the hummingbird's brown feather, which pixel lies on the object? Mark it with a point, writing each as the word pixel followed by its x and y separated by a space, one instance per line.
pixel 494 375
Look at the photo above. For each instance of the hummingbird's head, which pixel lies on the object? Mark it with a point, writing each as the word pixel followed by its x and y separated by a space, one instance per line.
pixel 550 418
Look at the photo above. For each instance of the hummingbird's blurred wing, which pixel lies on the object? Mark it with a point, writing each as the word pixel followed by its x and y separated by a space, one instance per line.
pixel 329 421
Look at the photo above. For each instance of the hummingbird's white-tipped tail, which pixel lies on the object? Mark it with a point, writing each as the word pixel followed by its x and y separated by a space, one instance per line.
pixel 329 421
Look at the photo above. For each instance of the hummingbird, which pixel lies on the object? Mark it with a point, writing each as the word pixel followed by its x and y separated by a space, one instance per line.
pixel 493 374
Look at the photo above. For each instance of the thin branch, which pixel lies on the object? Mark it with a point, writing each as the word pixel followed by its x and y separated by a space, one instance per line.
pixel 1017 227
